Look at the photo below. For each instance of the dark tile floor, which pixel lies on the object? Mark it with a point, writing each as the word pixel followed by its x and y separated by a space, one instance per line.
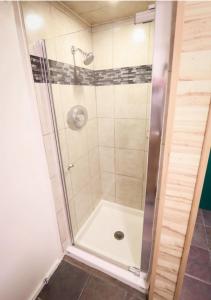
pixel 73 280
pixel 197 281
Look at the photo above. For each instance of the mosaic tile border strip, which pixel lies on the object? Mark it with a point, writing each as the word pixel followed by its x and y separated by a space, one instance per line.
pixel 126 75
pixel 62 73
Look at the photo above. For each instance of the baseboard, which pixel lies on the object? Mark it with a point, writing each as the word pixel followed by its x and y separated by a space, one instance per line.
pixel 47 277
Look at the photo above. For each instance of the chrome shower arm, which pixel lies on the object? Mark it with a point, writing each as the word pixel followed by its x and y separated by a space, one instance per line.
pixel 74 49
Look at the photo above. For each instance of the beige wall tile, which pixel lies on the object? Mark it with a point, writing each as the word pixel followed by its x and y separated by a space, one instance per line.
pixel 130 162
pixel 129 191
pixel 106 132
pixel 62 223
pixel 130 133
pixel 70 23
pixel 50 45
pixel 83 205
pixel 102 46
pixel 57 192
pixel 107 159
pixel 44 107
pixel 54 21
pixel 77 143
pixel 80 174
pixel 96 190
pixel 105 101
pixel 92 134
pixel 64 148
pixel 94 162
pixel 43 11
pixel 58 105
pixel 63 54
pixel 51 154
pixel 108 186
pixel 131 100
pixel 90 101
pixel 130 44
pixel 151 41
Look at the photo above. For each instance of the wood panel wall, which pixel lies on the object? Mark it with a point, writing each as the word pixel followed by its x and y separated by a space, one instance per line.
pixel 189 102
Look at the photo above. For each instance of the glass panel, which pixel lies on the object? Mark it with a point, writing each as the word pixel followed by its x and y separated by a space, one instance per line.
pixel 104 161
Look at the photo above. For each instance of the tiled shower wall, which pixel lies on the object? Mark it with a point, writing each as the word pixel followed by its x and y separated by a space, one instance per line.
pixel 123 111
pixel 109 153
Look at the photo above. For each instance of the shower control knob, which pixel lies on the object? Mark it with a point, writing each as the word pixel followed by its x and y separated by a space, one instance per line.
pixel 77 117
pixel 70 167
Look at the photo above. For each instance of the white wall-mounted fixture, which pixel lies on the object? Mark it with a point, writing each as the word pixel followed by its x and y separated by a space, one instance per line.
pixel 145 16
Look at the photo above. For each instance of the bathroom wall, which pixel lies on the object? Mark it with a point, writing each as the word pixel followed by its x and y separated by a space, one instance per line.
pixel 187 126
pixel 45 20
pixel 123 109
pixel 56 27
pixel 29 237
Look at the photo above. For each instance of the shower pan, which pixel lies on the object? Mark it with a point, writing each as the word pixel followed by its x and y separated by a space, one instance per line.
pixel 106 107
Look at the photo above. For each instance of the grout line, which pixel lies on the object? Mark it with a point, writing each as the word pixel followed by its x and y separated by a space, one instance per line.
pixel 85 285
pixel 124 175
pixel 123 148
pixel 205 230
pixel 202 217
pixel 199 247
pixel 197 278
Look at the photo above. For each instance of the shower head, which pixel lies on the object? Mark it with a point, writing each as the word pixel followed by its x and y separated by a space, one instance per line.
pixel 89 57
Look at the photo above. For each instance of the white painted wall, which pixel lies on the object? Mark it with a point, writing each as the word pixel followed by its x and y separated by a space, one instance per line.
pixel 29 242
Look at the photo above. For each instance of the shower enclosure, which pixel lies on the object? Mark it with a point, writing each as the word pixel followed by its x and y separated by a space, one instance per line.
pixel 100 91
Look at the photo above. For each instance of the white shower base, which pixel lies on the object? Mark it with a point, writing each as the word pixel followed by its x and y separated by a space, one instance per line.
pixel 97 234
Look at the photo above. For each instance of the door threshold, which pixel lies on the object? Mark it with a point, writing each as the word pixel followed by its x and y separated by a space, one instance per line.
pixel 137 282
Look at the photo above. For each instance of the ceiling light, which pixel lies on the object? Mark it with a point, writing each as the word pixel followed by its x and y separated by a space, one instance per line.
pixel 138 35
pixel 34 22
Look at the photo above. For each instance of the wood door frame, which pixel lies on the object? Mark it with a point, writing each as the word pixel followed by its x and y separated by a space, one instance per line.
pixel 169 118
pixel 177 45
pixel 195 204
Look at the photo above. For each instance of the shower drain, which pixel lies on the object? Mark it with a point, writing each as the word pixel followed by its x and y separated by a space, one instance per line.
pixel 119 235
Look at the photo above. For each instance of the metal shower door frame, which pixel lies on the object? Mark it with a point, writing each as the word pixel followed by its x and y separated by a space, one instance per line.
pixel 164 29
pixel 41 44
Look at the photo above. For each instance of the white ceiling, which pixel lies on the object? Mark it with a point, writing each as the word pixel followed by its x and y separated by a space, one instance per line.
pixel 98 12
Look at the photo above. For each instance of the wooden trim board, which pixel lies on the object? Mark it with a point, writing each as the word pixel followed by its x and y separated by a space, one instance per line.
pixel 177 44
pixel 195 205
pixel 185 149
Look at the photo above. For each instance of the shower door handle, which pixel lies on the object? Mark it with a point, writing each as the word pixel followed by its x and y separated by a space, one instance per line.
pixel 70 167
